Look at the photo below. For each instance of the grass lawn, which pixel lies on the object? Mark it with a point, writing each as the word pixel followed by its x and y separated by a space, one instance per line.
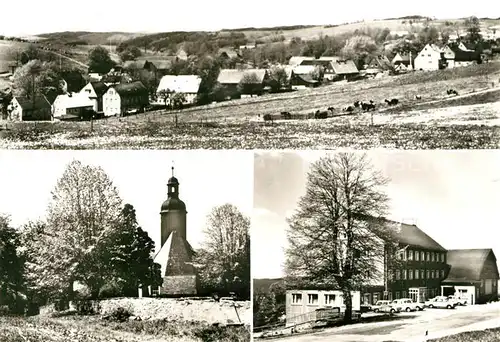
pixel 488 335
pixel 90 329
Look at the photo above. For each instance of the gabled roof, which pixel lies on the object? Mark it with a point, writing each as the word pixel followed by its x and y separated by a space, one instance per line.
pixel 318 62
pixel 75 100
pixel 297 60
pixel 342 67
pixel 130 89
pixel 465 56
pixel 410 234
pixel 180 84
pixel 134 64
pixel 99 87
pixel 329 58
pixel 380 61
pixel 307 78
pixel 229 52
pixel 234 76
pixel 304 69
pixel 28 103
pixel 467 264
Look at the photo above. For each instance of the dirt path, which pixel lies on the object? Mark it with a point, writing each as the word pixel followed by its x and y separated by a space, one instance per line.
pixel 68 58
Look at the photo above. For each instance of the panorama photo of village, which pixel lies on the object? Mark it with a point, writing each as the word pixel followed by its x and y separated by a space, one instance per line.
pixel 412 82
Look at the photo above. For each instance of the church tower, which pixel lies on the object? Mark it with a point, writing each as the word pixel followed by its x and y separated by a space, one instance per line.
pixel 175 254
pixel 173 211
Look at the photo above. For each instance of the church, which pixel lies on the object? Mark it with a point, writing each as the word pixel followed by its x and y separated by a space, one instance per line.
pixel 175 254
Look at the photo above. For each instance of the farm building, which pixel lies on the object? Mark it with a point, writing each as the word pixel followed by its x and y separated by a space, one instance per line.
pixel 228 53
pixel 188 85
pixel 466 58
pixel 302 81
pixel 231 78
pixel 34 108
pixel 72 106
pixel 430 58
pixel 473 274
pixel 344 69
pixel 175 254
pixel 95 92
pixel 297 60
pixel 301 304
pixel 378 63
pixel 120 98
pixel 403 61
pixel 325 64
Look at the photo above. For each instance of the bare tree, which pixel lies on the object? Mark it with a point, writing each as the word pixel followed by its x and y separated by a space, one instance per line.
pixel 330 240
pixel 224 258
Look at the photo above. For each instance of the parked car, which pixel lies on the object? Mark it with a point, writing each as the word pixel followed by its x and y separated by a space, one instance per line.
pixel 407 304
pixel 460 300
pixel 440 302
pixel 379 304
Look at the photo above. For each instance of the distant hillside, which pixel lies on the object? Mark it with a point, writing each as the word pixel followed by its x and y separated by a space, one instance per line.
pixel 89 38
pixel 263 285
pixel 275 28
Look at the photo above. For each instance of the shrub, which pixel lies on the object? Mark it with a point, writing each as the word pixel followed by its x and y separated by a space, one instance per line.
pixel 120 314
pixel 220 334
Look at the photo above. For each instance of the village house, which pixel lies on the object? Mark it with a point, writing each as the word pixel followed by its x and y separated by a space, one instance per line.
pixel 189 85
pixel 430 58
pixel 344 70
pixel 297 60
pixel 231 78
pixel 302 77
pixel 95 92
pixel 325 64
pixel 302 304
pixel 377 64
pixel 403 61
pixel 473 274
pixel 175 256
pixel 121 98
pixel 228 53
pixel 33 108
pixel 72 106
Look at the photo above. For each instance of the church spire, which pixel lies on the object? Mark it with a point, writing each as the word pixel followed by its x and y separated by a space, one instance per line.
pixel 173 185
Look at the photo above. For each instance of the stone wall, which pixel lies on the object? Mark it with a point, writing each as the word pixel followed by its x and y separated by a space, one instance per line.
pixel 179 285
pixel 184 309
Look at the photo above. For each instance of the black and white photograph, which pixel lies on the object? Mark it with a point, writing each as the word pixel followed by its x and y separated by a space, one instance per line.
pixel 125 246
pixel 265 75
pixel 377 245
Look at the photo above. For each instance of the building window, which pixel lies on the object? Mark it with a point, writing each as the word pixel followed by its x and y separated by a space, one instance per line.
pixel 432 256
pixel 330 299
pixel 312 299
pixel 397 295
pixel 443 257
pixel 427 256
pixel 416 274
pixel 398 274
pixel 428 274
pixel 410 255
pixel 422 256
pixel 417 256
pixel 375 297
pixel 404 274
pixel 410 274
pixel 441 272
pixel 296 298
pixel 403 294
pixel 422 274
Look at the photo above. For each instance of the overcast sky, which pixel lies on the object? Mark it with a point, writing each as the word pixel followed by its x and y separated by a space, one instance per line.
pixel 207 179
pixel 33 17
pixel 453 196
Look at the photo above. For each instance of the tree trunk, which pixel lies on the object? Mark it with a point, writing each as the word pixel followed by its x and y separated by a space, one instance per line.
pixel 348 305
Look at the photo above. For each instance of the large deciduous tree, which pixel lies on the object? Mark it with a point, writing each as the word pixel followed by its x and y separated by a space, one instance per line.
pixel 358 48
pixel 473 28
pixel 36 77
pixel 330 241
pixel 249 84
pixel 224 259
pixel 84 212
pixel 278 79
pixel 100 61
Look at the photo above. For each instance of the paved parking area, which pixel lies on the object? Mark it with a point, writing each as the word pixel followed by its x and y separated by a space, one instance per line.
pixel 413 326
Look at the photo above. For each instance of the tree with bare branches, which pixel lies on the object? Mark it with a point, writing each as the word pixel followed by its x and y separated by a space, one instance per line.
pixel 224 259
pixel 331 243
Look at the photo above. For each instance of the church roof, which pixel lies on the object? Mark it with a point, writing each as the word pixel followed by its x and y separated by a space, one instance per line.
pixel 175 256
pixel 173 203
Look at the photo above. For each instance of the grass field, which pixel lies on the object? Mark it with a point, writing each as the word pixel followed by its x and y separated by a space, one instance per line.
pixel 488 335
pixel 470 120
pixel 7 49
pixel 94 329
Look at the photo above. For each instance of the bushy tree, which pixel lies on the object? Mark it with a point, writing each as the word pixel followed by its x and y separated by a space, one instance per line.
pixel 473 30
pixel 224 259
pixel 249 84
pixel 131 255
pixel 358 48
pixel 11 267
pixel 99 60
pixel 36 77
pixel 83 214
pixel 330 241
pixel 278 79
pixel 130 54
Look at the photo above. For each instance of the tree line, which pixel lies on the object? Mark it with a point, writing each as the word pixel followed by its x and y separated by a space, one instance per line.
pixel 91 238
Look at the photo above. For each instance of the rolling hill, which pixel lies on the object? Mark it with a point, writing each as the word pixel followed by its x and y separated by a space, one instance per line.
pixel 263 285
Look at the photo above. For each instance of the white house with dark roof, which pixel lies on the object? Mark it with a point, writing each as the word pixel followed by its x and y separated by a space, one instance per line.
pixel 95 91
pixel 34 108
pixel 123 97
pixel 430 58
pixel 72 106
pixel 189 85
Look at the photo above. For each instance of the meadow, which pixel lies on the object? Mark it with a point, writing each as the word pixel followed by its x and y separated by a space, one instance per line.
pixel 437 120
